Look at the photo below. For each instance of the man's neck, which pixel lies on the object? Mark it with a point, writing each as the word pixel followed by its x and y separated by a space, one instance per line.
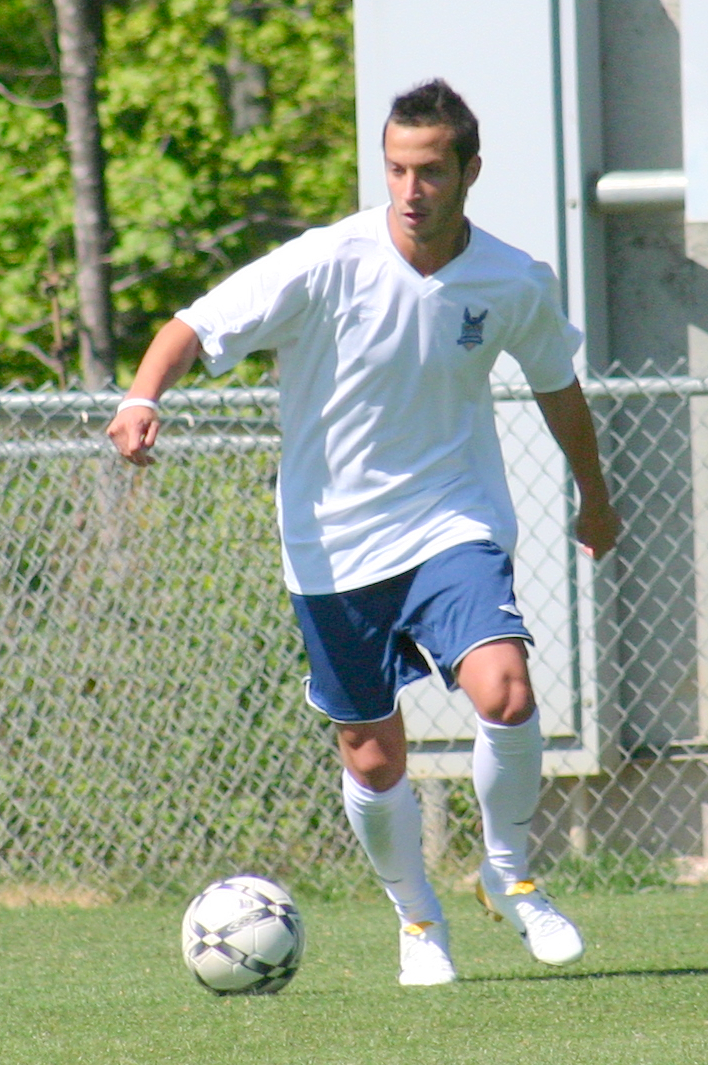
pixel 427 257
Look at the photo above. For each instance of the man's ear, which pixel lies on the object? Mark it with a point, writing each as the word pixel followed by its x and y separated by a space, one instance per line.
pixel 472 170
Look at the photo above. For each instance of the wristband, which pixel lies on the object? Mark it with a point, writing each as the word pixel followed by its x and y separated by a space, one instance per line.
pixel 125 403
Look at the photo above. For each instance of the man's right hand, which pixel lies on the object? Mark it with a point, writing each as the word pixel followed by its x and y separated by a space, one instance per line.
pixel 134 432
pixel 170 355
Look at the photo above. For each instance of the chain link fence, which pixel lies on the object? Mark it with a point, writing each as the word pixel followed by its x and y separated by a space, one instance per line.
pixel 154 730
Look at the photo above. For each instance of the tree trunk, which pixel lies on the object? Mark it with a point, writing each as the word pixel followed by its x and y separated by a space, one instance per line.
pixel 79 24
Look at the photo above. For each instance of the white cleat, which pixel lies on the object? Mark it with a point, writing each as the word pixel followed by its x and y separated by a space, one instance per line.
pixel 425 955
pixel 546 933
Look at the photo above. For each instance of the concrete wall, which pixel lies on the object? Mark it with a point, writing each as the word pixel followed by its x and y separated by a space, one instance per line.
pixel 656 300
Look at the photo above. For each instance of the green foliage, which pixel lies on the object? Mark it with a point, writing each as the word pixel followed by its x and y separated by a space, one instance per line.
pixel 194 191
pixel 35 207
pixel 608 871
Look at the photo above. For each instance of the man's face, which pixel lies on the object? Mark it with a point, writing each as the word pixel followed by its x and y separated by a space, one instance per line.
pixel 425 182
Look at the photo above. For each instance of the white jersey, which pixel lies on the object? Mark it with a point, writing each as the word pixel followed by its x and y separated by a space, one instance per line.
pixel 390 453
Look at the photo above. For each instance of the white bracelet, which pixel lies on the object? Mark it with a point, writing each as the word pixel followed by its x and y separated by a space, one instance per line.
pixel 125 403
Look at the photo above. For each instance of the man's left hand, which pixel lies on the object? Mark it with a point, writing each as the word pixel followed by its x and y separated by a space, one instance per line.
pixel 597 528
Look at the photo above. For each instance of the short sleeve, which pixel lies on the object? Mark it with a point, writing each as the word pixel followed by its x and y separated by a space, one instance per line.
pixel 541 338
pixel 255 308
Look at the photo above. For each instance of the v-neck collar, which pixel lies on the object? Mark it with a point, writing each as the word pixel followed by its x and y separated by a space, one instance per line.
pixel 429 282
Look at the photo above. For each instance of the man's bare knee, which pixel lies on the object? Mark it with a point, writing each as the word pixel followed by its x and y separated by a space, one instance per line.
pixel 496 679
pixel 374 752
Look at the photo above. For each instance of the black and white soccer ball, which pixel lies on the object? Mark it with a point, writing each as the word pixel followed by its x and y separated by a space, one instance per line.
pixel 243 935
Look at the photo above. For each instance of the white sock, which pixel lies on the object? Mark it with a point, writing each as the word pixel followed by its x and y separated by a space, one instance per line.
pixel 506 772
pixel 388 826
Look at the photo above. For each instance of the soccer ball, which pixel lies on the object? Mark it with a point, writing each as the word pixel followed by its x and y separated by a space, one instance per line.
pixel 243 935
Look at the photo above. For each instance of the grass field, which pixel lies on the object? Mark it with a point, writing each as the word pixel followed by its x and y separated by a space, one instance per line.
pixel 107 986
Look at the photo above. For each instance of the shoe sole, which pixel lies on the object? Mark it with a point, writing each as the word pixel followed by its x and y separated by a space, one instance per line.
pixel 426 983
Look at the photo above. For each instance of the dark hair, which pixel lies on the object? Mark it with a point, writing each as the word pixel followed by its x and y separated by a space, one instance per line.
pixel 434 103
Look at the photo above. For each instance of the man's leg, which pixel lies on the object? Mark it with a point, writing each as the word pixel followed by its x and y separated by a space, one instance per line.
pixel 354 664
pixel 385 817
pixel 507 776
pixel 507 755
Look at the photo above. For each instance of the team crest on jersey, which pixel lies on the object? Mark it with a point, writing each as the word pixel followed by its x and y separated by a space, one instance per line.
pixel 472 330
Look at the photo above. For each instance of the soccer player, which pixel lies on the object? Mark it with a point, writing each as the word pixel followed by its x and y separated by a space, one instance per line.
pixel 396 523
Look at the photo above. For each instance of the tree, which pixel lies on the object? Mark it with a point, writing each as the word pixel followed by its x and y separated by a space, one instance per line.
pixel 79 25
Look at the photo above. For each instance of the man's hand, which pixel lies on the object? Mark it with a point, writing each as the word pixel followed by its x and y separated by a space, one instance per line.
pixel 597 528
pixel 170 355
pixel 134 432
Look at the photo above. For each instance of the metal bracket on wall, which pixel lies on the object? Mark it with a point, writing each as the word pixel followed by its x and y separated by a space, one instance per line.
pixel 628 190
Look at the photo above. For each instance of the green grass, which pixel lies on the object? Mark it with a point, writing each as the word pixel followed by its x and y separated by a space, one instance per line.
pixel 108 987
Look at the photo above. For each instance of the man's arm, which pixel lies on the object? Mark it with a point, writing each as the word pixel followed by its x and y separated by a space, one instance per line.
pixel 170 355
pixel 568 417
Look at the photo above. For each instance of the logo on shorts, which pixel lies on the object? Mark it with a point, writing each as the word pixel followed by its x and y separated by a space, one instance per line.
pixel 472 330
pixel 511 608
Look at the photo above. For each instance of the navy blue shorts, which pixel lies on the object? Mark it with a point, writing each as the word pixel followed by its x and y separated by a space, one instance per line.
pixel 363 645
